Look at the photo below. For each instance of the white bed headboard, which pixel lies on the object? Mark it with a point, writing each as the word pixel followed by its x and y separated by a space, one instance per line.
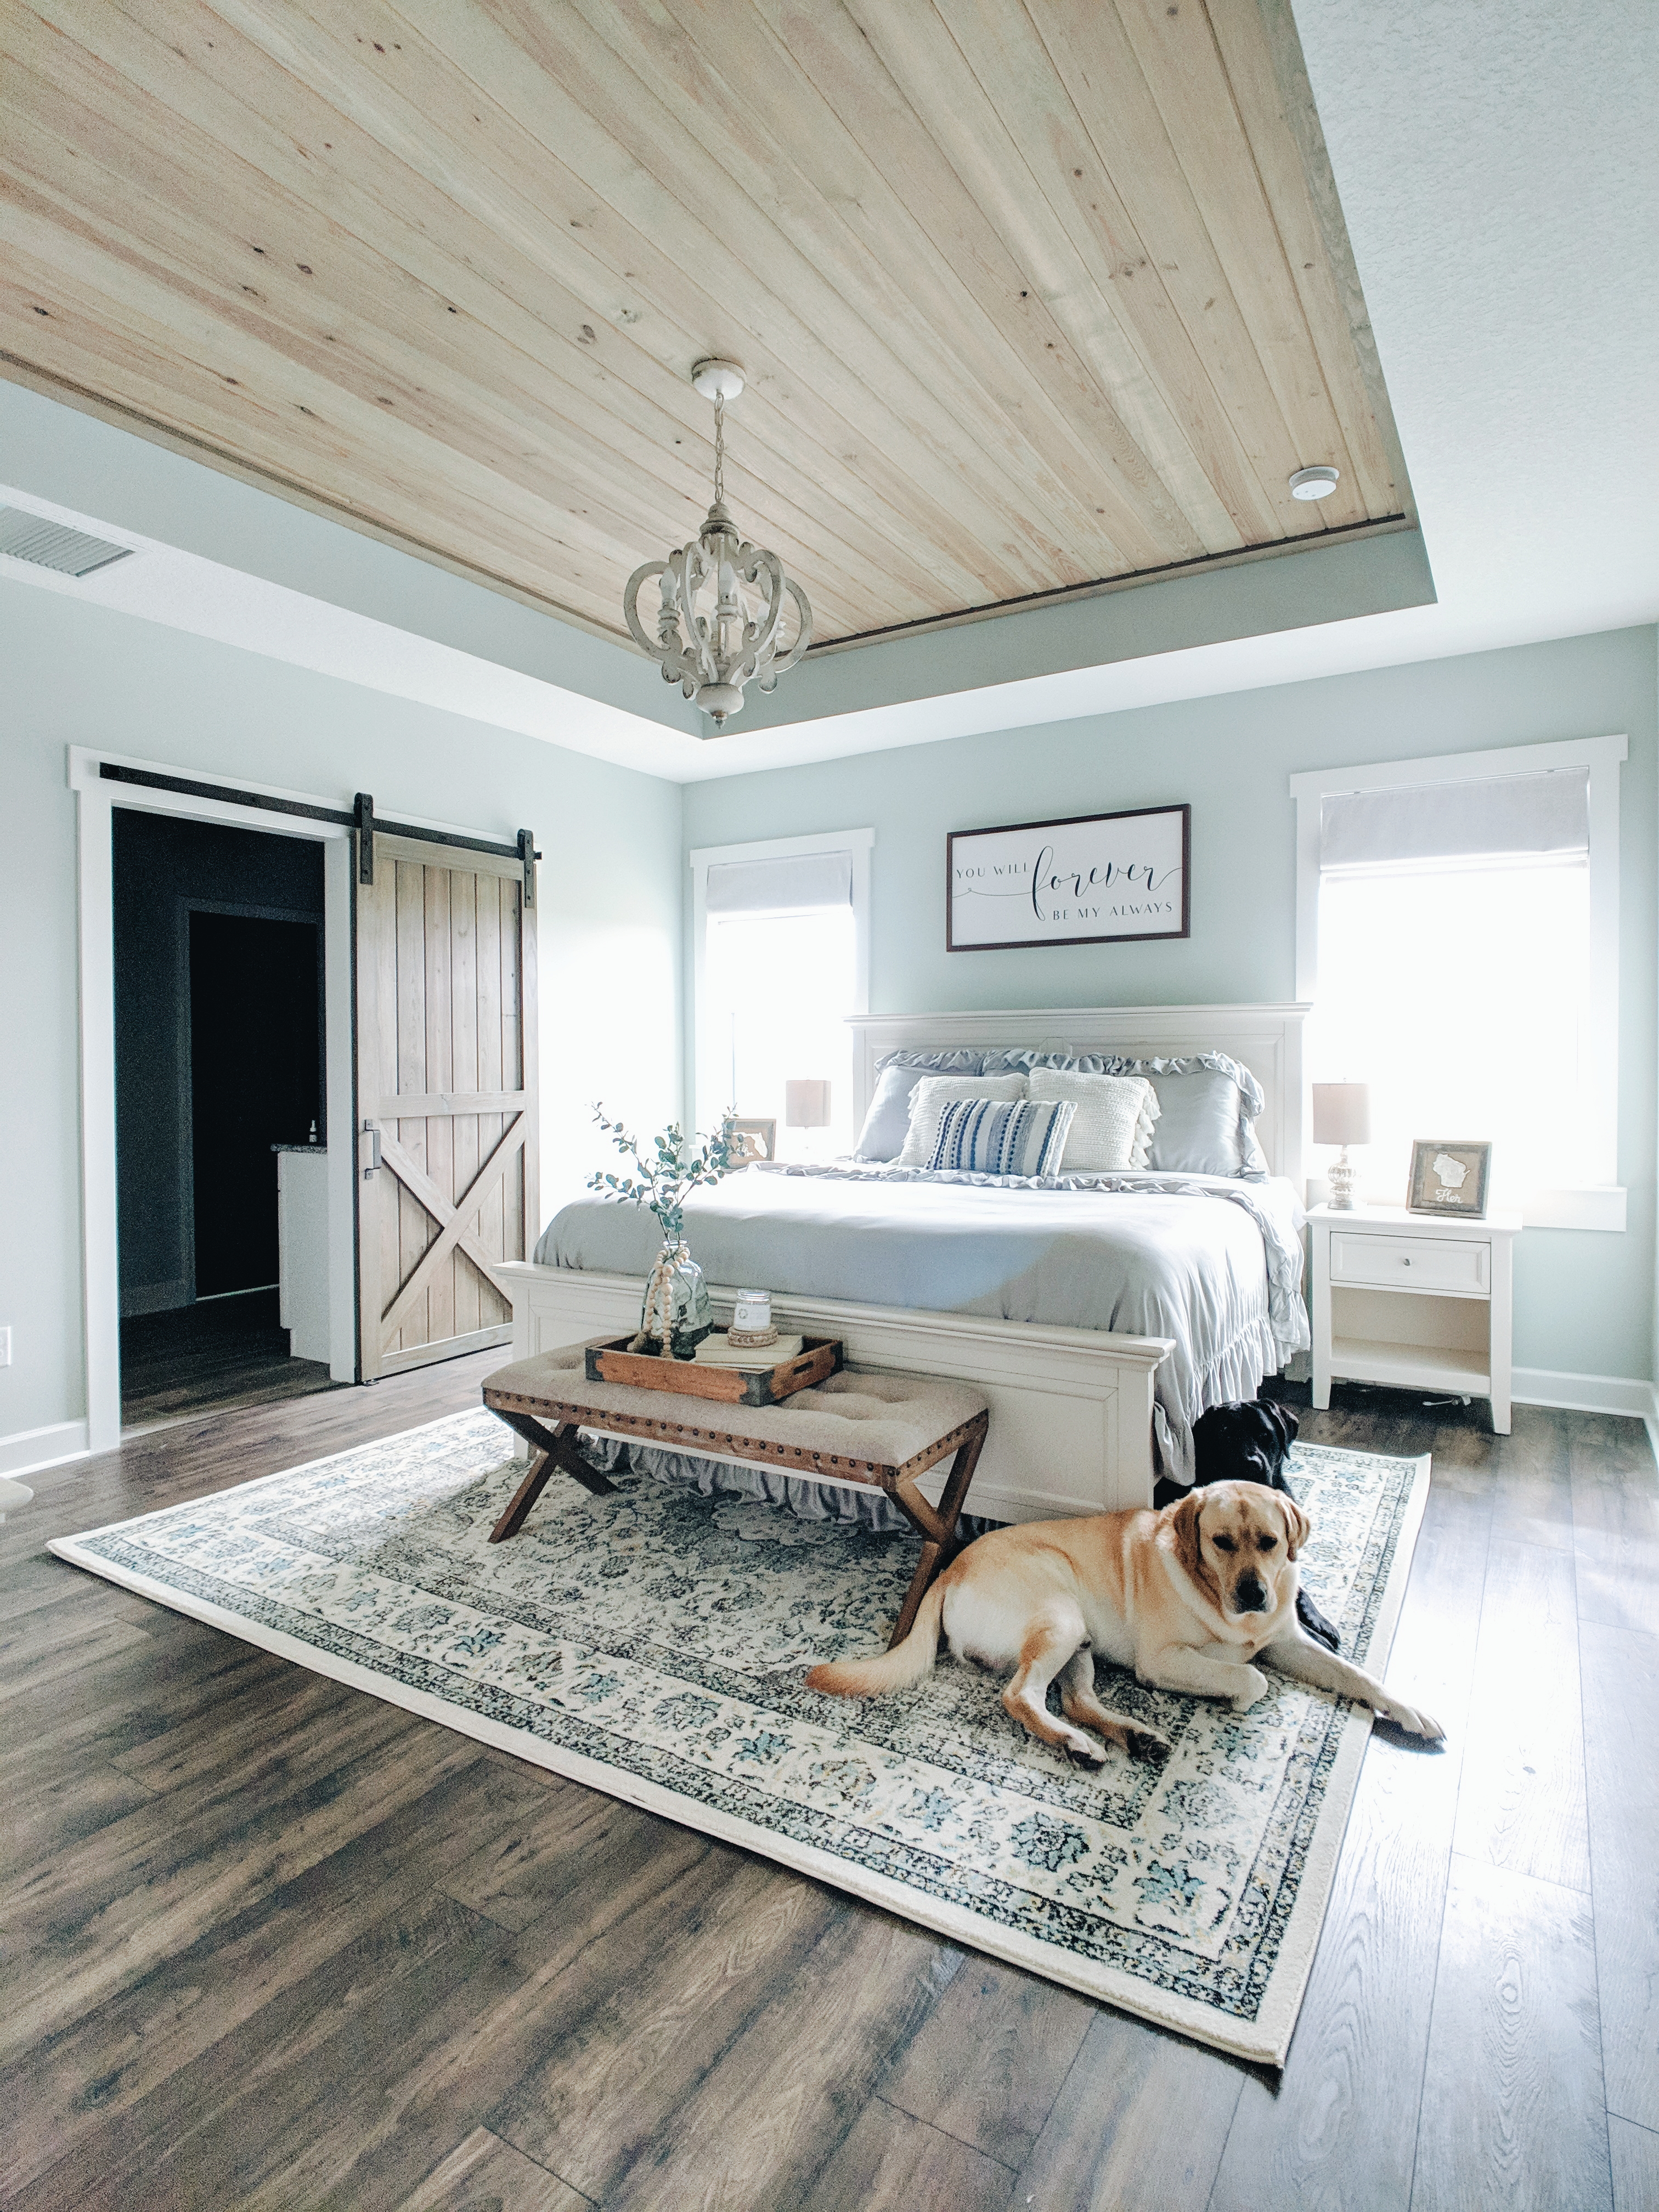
pixel 1268 1040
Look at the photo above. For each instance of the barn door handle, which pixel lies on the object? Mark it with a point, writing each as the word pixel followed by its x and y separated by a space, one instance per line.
pixel 369 1150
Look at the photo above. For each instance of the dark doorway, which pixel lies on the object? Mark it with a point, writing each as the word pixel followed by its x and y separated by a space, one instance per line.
pixel 254 1069
pixel 219 1056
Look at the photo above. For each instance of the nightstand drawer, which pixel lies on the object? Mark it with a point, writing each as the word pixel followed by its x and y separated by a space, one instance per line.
pixel 1411 1263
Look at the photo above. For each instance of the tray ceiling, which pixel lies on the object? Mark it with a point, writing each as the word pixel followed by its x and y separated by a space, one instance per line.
pixel 1030 298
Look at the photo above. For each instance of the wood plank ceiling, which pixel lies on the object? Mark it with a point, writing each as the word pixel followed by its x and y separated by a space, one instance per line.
pixel 1029 295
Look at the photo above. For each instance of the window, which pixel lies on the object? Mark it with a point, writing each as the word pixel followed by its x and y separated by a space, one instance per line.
pixel 781 958
pixel 1458 936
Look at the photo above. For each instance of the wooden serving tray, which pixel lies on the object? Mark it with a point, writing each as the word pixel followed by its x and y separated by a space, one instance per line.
pixel 819 1357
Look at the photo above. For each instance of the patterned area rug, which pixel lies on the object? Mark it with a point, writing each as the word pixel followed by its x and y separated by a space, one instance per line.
pixel 652 1644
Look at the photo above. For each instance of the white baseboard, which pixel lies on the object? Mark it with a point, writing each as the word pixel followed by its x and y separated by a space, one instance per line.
pixel 1625 1395
pixel 26 1450
pixel 1586 1393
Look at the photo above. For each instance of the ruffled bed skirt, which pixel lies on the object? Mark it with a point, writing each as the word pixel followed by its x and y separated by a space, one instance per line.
pixel 1235 1374
pixel 811 1501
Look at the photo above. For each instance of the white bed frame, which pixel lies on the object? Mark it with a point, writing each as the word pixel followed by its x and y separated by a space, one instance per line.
pixel 1070 1408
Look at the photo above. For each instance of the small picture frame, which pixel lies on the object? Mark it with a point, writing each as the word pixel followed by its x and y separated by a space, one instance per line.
pixel 755 1139
pixel 1449 1176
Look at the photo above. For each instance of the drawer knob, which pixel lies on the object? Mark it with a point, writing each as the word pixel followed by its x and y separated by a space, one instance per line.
pixel 1406 1263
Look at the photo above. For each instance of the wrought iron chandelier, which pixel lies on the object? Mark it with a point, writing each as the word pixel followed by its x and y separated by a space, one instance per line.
pixel 732 639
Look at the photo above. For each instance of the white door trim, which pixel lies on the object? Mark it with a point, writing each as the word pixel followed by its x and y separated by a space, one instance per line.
pixel 96 802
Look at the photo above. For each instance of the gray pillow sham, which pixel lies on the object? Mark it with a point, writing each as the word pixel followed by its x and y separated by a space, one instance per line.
pixel 1204 1128
pixel 1207 1102
pixel 888 1121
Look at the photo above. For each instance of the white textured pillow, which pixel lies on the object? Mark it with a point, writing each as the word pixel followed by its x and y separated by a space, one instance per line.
pixel 933 1094
pixel 1112 1127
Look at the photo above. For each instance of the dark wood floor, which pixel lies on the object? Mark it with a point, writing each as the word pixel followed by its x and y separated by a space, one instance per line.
pixel 274 1943
pixel 217 1354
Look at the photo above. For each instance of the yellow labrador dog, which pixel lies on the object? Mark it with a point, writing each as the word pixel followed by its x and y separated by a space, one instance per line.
pixel 1188 1597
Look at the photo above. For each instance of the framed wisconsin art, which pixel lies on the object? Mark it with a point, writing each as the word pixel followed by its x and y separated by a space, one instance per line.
pixel 1448 1176
pixel 1089 879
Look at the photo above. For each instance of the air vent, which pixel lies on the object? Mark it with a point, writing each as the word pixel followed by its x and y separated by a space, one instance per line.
pixel 52 546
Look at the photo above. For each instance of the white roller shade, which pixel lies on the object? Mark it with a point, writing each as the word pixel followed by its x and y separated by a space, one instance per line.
pixel 798 883
pixel 1516 814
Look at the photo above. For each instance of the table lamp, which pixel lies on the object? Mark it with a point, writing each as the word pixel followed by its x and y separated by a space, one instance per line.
pixel 1342 1116
pixel 806 1104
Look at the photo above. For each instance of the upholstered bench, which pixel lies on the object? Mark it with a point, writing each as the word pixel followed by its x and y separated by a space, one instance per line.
pixel 873 1430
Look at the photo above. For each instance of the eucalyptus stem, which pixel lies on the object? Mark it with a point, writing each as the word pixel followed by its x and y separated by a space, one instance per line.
pixel 668 1169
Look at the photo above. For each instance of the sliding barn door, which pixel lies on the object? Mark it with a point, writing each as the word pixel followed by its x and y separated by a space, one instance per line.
pixel 445 1099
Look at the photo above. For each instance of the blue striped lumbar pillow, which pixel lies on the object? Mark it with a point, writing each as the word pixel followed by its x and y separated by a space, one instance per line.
pixel 1003 1136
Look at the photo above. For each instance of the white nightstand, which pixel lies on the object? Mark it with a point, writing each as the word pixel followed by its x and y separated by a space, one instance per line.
pixel 1417 1300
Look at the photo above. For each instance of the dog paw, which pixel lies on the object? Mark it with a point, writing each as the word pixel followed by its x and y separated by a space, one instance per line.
pixel 1083 1751
pixel 1255 1683
pixel 1413 1722
pixel 1146 1744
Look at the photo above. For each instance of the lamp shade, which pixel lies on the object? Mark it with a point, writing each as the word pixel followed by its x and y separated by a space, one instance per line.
pixel 806 1104
pixel 1341 1113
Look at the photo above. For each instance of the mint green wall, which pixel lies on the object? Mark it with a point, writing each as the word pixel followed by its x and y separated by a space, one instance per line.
pixel 611 920
pixel 1583 1301
pixel 609 936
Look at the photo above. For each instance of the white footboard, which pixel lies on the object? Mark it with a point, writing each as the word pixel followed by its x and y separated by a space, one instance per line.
pixel 1070 1408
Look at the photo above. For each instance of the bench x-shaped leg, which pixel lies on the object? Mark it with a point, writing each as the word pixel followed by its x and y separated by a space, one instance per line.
pixel 937 1527
pixel 549 1448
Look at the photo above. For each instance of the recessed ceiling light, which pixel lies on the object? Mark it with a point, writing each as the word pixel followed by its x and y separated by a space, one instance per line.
pixel 1313 483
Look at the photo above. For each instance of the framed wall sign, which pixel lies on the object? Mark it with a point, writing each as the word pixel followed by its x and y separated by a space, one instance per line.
pixel 1089 879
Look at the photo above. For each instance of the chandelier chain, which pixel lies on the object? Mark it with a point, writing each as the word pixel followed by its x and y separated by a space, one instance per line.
pixel 720 447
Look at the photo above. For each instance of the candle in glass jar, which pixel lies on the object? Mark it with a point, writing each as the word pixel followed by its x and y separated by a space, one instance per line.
pixel 753 1314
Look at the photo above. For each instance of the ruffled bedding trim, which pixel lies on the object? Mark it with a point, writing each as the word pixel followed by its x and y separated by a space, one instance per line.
pixel 1235 1374
pixel 1008 1058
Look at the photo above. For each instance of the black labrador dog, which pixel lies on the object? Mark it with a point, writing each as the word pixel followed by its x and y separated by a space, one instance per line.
pixel 1251 1442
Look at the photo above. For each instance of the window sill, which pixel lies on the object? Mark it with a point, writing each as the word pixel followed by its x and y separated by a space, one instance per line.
pixel 1591 1206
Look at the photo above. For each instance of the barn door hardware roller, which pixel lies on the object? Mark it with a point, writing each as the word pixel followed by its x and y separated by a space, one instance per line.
pixel 523 847
pixel 363 810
